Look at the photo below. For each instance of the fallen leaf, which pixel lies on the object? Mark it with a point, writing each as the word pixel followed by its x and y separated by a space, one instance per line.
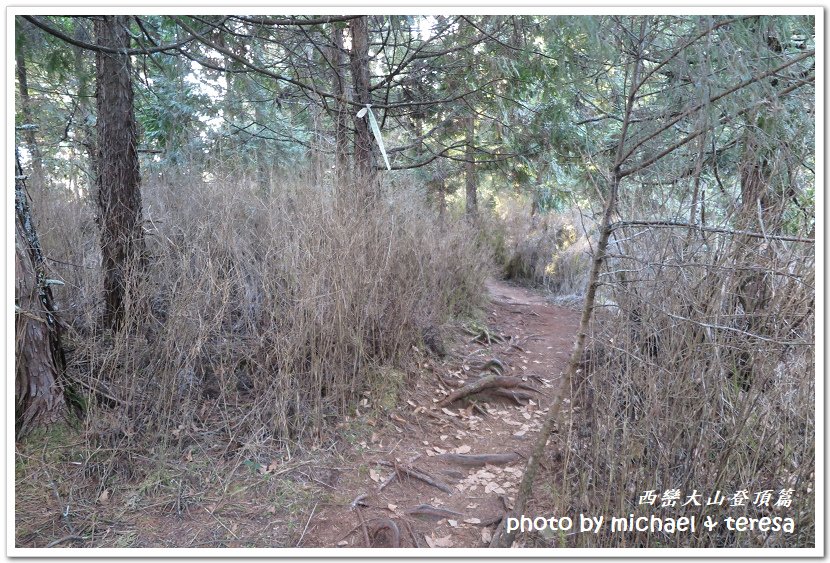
pixel 341 543
pixel 486 535
pixel 447 411
pixel 446 541
pixel 374 475
pixel 453 523
pixel 392 506
pixel 104 496
pixel 439 450
pixel 462 449
pixel 473 520
pixel 430 541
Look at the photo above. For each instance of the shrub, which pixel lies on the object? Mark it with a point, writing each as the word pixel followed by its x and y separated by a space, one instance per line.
pixel 261 316
pixel 685 387
pixel 549 250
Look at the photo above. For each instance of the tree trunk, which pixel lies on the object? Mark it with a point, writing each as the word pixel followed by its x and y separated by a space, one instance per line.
pixel 316 164
pixel 26 108
pixel 38 354
pixel 364 165
pixel 341 134
pixel 759 212
pixel 441 186
pixel 118 179
pixel 470 179
pixel 87 114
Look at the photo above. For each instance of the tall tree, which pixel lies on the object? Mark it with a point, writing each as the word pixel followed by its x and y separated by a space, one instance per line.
pixel 341 111
pixel 38 353
pixel 470 179
pixel 118 179
pixel 26 108
pixel 363 157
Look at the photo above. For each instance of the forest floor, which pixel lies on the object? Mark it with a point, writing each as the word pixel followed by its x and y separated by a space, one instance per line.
pixel 532 339
pixel 357 491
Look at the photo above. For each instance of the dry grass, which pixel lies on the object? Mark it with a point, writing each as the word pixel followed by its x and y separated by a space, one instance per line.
pixel 270 314
pixel 548 250
pixel 685 387
pixel 260 321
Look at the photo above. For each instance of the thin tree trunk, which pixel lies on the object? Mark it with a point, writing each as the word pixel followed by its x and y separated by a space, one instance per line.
pixel 503 538
pixel 119 195
pixel 316 163
pixel 38 353
pixel 470 180
pixel 87 116
pixel 26 108
pixel 341 118
pixel 441 186
pixel 365 171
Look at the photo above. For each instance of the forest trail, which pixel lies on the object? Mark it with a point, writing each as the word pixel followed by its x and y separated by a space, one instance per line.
pixel 532 339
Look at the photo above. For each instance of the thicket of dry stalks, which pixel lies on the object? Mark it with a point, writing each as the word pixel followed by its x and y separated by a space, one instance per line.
pixel 259 316
pixel 550 250
pixel 699 376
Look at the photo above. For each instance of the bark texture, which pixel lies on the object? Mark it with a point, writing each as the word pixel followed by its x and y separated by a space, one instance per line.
pixel 118 179
pixel 26 108
pixel 470 180
pixel 341 135
pixel 39 360
pixel 364 164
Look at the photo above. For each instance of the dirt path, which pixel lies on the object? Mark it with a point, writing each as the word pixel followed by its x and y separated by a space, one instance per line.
pixel 533 341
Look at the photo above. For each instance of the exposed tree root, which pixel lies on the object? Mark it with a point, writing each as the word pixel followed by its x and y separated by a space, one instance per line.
pixel 387 524
pixel 488 382
pixel 519 397
pixel 495 365
pixel 432 512
pixel 478 460
pixel 418 474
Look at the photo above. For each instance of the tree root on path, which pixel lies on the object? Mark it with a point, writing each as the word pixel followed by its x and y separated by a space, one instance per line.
pixel 432 512
pixel 417 474
pixel 489 382
pixel 519 397
pixel 387 524
pixel 479 460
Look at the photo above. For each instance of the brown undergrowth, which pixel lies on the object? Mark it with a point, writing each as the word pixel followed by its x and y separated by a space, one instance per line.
pixel 699 377
pixel 260 321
